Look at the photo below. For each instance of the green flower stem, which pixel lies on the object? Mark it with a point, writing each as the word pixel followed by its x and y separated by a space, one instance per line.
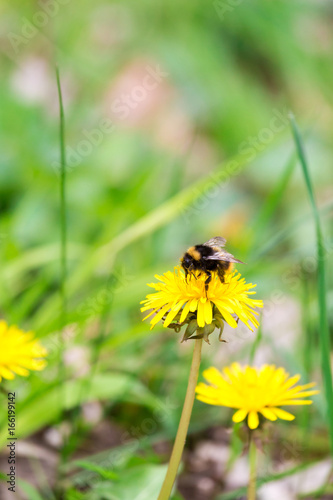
pixel 183 424
pixel 251 495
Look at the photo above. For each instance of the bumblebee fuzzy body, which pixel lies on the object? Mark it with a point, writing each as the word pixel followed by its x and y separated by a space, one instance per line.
pixel 207 258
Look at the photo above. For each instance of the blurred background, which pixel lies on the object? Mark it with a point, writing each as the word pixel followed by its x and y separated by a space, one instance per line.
pixel 176 130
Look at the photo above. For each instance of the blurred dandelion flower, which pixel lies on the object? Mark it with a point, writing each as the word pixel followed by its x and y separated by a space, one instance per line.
pixel 186 301
pixel 19 352
pixel 254 390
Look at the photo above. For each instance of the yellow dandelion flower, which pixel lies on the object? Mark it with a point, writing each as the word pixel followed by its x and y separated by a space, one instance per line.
pixel 177 298
pixel 254 391
pixel 19 352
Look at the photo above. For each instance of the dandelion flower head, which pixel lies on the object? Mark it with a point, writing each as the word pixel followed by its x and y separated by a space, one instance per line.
pixel 177 298
pixel 254 391
pixel 19 352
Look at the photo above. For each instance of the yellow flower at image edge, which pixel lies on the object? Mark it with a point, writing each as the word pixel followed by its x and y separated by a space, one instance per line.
pixel 254 391
pixel 19 352
pixel 174 294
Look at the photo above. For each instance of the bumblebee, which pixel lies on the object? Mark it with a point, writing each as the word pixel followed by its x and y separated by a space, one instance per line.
pixel 207 258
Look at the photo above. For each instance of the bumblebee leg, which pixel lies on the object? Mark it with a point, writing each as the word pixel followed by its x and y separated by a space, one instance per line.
pixel 194 275
pixel 192 272
pixel 208 280
pixel 220 273
pixel 188 274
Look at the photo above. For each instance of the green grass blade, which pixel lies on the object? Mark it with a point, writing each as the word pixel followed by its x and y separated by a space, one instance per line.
pixel 324 336
pixel 63 222
pixel 29 489
pixel 63 250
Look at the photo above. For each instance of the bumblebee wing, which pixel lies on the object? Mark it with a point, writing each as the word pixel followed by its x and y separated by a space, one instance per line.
pixel 216 242
pixel 225 256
